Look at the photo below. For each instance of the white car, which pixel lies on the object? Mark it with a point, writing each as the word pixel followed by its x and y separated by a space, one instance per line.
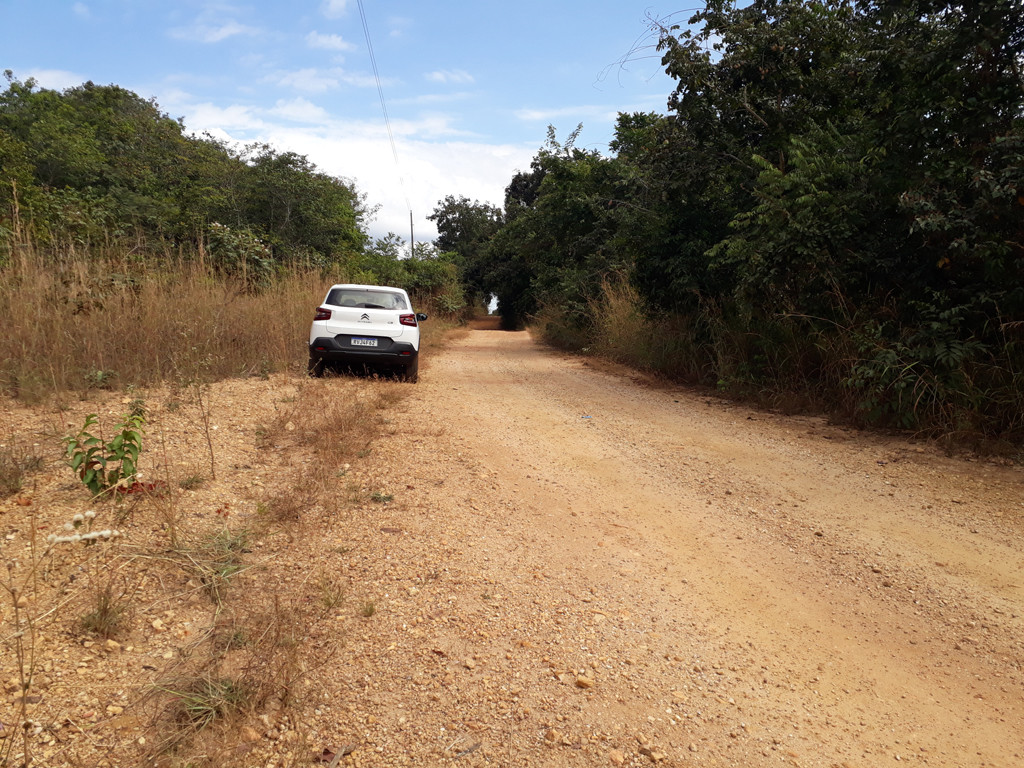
pixel 371 326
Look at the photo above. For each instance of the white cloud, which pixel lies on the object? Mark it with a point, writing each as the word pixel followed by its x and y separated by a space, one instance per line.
pixel 433 98
pixel 81 10
pixel 212 33
pixel 427 172
pixel 221 121
pixel 328 42
pixel 398 25
pixel 309 80
pixel 577 113
pixel 313 80
pixel 449 76
pixel 56 79
pixel 301 111
pixel 333 9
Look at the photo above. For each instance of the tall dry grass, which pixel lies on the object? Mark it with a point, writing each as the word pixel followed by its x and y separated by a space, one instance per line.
pixel 625 330
pixel 76 321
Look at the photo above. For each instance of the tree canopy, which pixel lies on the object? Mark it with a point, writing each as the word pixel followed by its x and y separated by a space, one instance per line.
pixel 834 201
pixel 92 163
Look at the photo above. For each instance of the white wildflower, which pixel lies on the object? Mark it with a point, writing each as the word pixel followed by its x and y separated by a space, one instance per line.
pixel 90 515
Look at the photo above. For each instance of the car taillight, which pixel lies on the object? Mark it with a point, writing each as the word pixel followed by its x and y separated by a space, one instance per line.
pixel 322 313
pixel 407 320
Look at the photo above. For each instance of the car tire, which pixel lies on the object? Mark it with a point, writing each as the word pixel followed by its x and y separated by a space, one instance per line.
pixel 315 367
pixel 412 371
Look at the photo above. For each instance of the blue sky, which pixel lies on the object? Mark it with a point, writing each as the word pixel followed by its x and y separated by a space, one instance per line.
pixel 470 87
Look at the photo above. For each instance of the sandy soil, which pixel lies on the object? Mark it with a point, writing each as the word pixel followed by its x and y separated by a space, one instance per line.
pixel 641 568
pixel 567 566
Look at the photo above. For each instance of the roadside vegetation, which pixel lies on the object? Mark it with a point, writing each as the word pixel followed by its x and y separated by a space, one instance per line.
pixel 829 216
pixel 138 280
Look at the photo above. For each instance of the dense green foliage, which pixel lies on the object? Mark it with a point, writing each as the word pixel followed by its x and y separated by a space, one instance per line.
pixel 100 166
pixel 833 206
pixel 97 170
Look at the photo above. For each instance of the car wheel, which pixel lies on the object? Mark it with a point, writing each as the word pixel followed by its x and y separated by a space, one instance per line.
pixel 412 371
pixel 315 368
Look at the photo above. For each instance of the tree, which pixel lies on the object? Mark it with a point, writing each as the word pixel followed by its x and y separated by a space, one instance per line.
pixel 465 228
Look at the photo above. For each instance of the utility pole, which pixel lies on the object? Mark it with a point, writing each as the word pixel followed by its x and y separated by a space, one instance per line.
pixel 412 237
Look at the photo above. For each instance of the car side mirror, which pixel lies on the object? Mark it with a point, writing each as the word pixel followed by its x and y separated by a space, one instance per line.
pixel 421 316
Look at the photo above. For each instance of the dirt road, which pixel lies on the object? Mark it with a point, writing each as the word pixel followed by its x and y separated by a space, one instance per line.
pixel 536 563
pixel 582 570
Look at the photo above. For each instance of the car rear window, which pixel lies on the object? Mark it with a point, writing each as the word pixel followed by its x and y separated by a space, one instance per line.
pixel 364 299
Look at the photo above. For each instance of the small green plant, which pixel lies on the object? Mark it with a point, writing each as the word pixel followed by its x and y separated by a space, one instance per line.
pixel 331 592
pixel 200 701
pixel 217 560
pixel 230 635
pixel 103 466
pixel 369 608
pixel 191 482
pixel 98 379
pixel 382 498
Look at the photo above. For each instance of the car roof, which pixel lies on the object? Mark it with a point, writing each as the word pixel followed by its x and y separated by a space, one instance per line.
pixel 357 286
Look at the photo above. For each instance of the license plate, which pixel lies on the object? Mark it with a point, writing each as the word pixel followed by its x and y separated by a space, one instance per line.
pixel 357 342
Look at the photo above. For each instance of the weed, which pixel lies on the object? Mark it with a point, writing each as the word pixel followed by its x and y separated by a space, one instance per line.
pixel 369 608
pixel 98 379
pixel 108 614
pixel 217 560
pixel 201 700
pixel 191 482
pixel 332 593
pixel 382 498
pixel 15 463
pixel 288 507
pixel 202 400
pixel 229 635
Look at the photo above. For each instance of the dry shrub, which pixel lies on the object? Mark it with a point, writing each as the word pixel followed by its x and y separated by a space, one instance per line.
pixel 336 418
pixel 17 460
pixel 109 609
pixel 249 661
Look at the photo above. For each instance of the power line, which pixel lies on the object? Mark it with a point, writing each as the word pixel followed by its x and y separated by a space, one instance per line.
pixel 383 104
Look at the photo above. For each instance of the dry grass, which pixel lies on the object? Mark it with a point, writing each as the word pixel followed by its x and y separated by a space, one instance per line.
pixel 78 324
pixel 117 331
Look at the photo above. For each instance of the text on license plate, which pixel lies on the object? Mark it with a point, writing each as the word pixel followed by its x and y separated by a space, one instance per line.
pixel 358 342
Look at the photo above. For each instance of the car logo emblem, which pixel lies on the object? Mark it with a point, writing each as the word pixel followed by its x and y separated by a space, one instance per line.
pixel 365 318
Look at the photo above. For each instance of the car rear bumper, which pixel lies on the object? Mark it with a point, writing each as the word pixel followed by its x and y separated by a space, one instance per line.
pixel 339 349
